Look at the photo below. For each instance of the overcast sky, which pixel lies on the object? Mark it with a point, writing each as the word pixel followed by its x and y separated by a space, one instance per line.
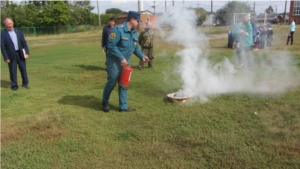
pixel 127 5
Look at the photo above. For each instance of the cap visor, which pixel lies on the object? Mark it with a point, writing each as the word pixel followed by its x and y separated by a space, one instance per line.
pixel 139 20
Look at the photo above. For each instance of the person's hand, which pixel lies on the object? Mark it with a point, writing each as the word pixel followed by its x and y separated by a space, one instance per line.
pixel 26 56
pixel 124 62
pixel 7 61
pixel 145 59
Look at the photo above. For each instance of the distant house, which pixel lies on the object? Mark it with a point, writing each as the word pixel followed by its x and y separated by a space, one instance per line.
pixel 146 16
pixel 265 18
pixel 295 10
pixel 280 18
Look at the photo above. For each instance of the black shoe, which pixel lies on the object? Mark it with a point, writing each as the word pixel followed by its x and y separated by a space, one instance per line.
pixel 14 89
pixel 26 87
pixel 127 110
pixel 106 108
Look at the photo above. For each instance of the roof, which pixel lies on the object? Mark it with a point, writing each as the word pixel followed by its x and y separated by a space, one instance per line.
pixel 146 12
pixel 125 14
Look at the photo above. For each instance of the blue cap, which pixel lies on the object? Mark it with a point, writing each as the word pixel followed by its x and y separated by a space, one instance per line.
pixel 135 15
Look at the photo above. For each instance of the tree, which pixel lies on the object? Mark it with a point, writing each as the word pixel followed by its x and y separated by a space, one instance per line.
pixel 202 16
pixel 225 14
pixel 81 12
pixel 55 13
pixel 269 9
pixel 114 11
pixel 9 10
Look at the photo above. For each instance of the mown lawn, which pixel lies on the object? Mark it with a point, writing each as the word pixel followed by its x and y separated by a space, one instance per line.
pixel 59 122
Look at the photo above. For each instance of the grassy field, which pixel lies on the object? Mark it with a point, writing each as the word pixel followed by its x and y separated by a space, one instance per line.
pixel 59 122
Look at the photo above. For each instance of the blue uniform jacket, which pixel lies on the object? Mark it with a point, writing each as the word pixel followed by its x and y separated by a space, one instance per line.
pixel 7 45
pixel 121 44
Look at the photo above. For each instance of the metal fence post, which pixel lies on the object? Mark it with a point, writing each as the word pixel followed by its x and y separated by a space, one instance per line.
pixel 69 28
pixel 54 30
pixel 34 31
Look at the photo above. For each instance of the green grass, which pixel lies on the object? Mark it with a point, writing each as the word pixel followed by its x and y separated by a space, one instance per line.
pixel 59 122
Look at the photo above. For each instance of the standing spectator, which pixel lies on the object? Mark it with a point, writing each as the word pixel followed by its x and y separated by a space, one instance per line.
pixel 263 37
pixel 247 42
pixel 15 52
pixel 236 37
pixel 122 42
pixel 254 30
pixel 256 41
pixel 106 31
pixel 269 36
pixel 291 33
pixel 146 43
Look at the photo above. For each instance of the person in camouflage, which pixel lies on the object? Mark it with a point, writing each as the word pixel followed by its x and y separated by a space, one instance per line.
pixel 146 43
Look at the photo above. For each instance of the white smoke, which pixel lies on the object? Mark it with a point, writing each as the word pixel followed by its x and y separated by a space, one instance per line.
pixel 202 79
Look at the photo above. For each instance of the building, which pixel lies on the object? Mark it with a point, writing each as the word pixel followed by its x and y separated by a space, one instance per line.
pixel 265 18
pixel 295 10
pixel 280 18
pixel 146 16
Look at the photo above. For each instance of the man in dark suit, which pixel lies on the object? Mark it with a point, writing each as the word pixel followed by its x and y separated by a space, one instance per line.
pixel 105 33
pixel 15 52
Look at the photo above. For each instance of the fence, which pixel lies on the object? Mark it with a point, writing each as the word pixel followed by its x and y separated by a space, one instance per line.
pixel 53 30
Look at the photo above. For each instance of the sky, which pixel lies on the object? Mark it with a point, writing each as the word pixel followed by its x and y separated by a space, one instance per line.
pixel 127 5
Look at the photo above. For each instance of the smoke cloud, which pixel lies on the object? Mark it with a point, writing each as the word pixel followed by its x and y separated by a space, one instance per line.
pixel 202 79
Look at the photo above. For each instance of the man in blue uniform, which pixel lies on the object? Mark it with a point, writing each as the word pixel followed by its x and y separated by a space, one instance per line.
pixel 122 42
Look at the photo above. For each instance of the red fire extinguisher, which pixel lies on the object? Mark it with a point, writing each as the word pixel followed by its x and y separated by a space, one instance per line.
pixel 125 76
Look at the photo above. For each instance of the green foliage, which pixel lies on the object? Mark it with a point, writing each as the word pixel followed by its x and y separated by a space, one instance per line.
pixel 224 15
pixel 114 11
pixel 9 10
pixel 48 13
pixel 202 16
pixel 56 13
pixel 269 9
pixel 81 13
pixel 105 18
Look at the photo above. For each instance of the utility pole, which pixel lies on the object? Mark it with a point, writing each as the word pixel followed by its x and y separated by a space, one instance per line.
pixel 154 7
pixel 173 3
pixel 98 14
pixel 198 4
pixel 211 7
pixel 283 20
pixel 254 7
pixel 183 3
pixel 165 6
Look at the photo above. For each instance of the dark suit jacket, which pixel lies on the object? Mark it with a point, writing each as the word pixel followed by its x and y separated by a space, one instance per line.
pixel 7 45
pixel 105 34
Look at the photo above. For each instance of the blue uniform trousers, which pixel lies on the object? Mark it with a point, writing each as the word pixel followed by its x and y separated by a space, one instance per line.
pixel 114 71
pixel 13 71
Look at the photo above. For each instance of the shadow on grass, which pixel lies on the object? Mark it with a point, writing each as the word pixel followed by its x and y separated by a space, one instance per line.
pixel 91 67
pixel 84 101
pixel 5 84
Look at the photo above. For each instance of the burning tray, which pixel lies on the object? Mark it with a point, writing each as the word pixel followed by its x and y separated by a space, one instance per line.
pixel 178 97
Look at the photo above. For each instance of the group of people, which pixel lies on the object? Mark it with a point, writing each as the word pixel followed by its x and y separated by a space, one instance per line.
pixel 263 37
pixel 246 37
pixel 118 42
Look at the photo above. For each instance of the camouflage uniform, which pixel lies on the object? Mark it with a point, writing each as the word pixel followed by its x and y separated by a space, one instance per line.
pixel 146 43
